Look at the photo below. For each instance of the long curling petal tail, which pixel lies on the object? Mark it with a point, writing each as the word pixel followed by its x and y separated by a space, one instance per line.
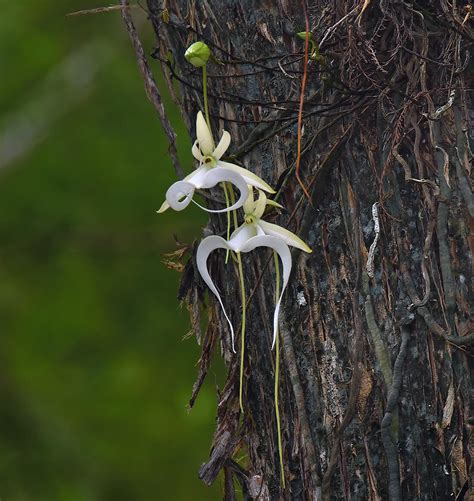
pixel 280 247
pixel 208 245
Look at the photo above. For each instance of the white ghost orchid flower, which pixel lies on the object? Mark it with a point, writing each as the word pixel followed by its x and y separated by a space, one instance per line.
pixel 242 244
pixel 209 173
pixel 255 225
pixel 254 232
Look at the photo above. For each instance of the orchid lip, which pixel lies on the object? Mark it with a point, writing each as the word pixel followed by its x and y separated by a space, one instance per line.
pixel 214 242
pixel 180 194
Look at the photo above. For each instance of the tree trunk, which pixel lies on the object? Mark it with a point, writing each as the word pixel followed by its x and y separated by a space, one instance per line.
pixel 376 333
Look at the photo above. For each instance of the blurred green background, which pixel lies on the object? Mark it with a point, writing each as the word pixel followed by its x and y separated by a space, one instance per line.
pixel 94 374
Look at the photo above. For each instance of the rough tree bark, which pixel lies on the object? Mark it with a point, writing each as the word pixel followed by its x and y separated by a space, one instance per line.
pixel 375 389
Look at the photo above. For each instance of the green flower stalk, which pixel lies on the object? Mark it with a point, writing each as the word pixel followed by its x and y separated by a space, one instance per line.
pixel 244 319
pixel 198 55
pixel 277 374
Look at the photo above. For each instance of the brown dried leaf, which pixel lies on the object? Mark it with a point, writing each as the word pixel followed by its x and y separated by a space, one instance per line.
pixel 366 385
pixel 439 439
pixel 459 461
pixel 174 260
pixel 209 344
pixel 448 407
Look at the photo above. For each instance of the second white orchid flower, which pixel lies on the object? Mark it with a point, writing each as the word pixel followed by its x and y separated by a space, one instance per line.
pixel 254 232
pixel 211 171
pixel 214 242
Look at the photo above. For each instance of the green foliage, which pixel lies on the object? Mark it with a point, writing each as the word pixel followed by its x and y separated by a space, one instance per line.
pixel 94 376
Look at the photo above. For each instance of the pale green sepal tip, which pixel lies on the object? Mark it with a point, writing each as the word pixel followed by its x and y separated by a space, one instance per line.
pixel 164 206
pixel 289 237
pixel 274 204
pixel 198 54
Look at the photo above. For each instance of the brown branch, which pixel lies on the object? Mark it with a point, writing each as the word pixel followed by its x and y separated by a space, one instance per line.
pixel 98 10
pixel 151 88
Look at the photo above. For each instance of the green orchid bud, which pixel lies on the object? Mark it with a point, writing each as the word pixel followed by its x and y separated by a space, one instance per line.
pixel 198 54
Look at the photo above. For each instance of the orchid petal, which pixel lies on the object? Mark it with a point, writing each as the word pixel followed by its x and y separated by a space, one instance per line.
pixel 274 204
pixel 204 137
pixel 215 176
pixel 192 178
pixel 241 235
pixel 180 194
pixel 289 237
pixel 249 203
pixel 222 146
pixel 260 204
pixel 196 151
pixel 280 247
pixel 207 245
pixel 250 177
pixel 198 176
pixel 164 206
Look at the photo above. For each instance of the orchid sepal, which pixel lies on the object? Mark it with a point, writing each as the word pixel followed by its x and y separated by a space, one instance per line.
pixel 204 136
pixel 164 207
pixel 289 237
pixel 274 204
pixel 251 178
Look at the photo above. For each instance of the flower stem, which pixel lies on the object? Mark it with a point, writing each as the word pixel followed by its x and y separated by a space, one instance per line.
pixel 229 192
pixel 232 199
pixel 242 343
pixel 204 92
pixel 277 372
pixel 226 195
